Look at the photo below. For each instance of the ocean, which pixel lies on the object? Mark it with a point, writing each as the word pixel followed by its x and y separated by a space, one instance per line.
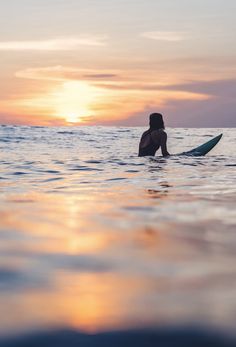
pixel 101 246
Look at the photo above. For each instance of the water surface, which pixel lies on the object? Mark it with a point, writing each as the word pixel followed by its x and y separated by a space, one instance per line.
pixel 95 239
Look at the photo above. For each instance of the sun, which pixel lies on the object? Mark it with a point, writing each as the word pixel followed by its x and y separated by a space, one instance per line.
pixel 69 103
pixel 75 100
pixel 73 118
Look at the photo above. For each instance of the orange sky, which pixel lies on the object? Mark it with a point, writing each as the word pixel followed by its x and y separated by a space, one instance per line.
pixel 79 63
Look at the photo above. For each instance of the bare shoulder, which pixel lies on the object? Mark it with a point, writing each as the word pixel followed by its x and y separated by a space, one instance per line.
pixel 163 134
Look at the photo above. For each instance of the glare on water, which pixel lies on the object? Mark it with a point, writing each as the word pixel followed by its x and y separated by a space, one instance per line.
pixel 95 238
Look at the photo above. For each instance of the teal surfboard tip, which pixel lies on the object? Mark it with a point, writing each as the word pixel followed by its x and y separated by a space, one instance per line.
pixel 219 136
pixel 205 148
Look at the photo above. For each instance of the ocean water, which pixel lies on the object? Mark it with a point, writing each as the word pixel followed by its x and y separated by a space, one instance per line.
pixel 95 240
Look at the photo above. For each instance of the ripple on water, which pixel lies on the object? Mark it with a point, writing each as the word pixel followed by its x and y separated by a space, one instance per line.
pixel 84 168
pixel 132 171
pixel 53 179
pixel 167 227
pixel 93 161
pixel 66 132
pixel 52 171
pixel 19 173
pixel 117 179
pixel 5 140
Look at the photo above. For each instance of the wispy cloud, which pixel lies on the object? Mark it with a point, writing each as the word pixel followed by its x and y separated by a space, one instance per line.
pixel 57 44
pixel 165 36
pixel 63 73
pixel 115 81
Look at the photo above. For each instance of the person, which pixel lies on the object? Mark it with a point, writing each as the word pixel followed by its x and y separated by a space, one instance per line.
pixel 154 138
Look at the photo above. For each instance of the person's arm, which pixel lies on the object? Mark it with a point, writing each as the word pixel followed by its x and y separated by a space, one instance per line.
pixel 164 151
pixel 160 138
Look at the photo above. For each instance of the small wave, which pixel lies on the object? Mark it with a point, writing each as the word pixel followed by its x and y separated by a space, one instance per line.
pixel 53 171
pixel 93 161
pixel 53 179
pixel 139 164
pixel 19 173
pixel 124 131
pixel 85 168
pixel 66 132
pixel 132 171
pixel 115 161
pixel 12 139
pixel 5 140
pixel 117 179
pixel 19 138
pixel 59 162
pixel 8 275
pixel 8 127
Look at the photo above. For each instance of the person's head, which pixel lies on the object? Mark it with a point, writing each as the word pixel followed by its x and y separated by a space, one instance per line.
pixel 156 121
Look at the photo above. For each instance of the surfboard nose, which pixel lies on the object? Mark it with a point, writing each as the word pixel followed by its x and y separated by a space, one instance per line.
pixel 205 148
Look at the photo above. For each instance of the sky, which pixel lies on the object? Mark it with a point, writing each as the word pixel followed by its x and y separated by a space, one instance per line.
pixel 113 62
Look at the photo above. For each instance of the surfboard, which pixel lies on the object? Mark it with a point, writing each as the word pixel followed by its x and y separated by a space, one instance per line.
pixel 203 149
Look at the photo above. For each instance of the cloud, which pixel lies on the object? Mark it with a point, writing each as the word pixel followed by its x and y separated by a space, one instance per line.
pixel 100 76
pixel 170 36
pixel 133 94
pixel 187 113
pixel 221 88
pixel 62 73
pixel 111 80
pixel 215 109
pixel 225 88
pixel 58 44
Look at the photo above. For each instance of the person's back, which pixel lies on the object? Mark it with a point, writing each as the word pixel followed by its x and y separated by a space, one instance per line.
pixel 154 138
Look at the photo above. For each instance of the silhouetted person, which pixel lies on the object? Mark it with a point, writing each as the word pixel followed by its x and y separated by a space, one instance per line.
pixel 154 138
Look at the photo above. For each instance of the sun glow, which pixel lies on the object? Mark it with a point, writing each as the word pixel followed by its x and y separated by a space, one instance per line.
pixel 71 102
pixel 73 118
pixel 75 101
